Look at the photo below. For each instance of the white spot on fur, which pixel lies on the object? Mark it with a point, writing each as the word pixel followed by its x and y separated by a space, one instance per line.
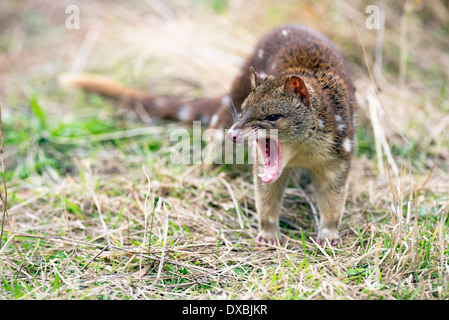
pixel 213 120
pixel 225 101
pixel 347 145
pixel 341 127
pixel 273 65
pixel 338 118
pixel 284 32
pixel 321 123
pixel 260 53
pixel 185 112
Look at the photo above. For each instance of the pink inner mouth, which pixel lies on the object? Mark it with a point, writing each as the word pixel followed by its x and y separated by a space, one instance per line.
pixel 271 155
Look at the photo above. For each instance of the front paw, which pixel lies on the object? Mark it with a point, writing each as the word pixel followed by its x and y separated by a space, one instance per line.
pixel 268 238
pixel 328 234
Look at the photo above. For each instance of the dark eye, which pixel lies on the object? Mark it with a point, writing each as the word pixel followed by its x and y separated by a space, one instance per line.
pixel 273 117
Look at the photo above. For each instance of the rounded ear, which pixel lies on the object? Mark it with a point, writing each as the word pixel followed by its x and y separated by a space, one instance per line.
pixel 255 78
pixel 295 85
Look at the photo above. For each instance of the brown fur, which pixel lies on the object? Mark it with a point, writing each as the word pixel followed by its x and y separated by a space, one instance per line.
pixel 303 80
pixel 309 89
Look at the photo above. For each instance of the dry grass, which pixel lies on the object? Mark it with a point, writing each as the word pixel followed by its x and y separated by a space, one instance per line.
pixel 96 210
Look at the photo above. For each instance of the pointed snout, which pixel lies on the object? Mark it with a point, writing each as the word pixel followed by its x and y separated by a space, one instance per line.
pixel 235 135
pixel 237 132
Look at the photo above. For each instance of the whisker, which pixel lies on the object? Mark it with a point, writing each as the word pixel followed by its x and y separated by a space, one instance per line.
pixel 234 111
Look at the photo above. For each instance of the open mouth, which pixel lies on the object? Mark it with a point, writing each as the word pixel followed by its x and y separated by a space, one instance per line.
pixel 270 150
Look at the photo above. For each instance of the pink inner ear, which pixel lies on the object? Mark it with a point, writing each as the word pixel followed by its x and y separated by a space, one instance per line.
pixel 296 85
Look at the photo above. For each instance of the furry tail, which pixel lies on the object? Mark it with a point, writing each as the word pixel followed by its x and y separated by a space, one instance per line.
pixel 163 107
pixel 103 86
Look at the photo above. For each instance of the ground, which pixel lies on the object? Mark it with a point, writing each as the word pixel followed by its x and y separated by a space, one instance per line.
pixel 97 209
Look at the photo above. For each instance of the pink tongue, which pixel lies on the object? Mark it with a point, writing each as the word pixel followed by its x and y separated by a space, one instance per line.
pixel 271 159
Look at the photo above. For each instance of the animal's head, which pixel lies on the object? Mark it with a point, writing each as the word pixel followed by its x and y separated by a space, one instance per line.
pixel 277 111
